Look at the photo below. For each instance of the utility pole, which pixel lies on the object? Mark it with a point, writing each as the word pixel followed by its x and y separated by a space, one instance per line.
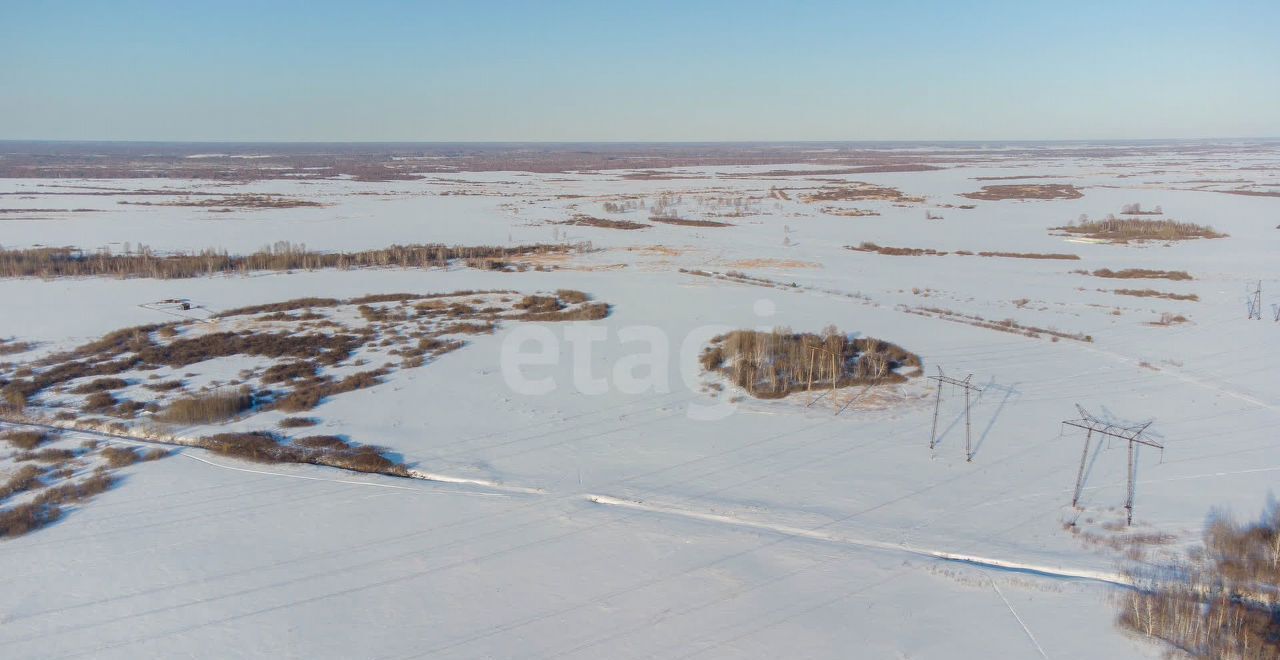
pixel 969 387
pixel 1130 434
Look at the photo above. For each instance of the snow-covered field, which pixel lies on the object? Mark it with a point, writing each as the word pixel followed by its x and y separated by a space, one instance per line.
pixel 636 507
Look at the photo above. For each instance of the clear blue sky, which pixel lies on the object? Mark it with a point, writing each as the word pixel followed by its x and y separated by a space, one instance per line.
pixel 640 70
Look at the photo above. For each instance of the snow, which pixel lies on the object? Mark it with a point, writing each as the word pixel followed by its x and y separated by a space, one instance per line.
pixel 672 522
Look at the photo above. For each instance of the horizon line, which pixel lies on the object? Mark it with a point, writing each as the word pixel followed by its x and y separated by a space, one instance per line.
pixel 627 142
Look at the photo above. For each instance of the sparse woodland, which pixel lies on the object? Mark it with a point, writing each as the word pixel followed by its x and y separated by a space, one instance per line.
pixel 1124 230
pixel 771 365
pixel 1222 602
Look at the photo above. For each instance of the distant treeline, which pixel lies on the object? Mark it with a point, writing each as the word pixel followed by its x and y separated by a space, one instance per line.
pixel 143 262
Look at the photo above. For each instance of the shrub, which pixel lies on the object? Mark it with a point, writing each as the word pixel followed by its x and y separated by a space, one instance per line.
pixel 26 440
pixel 588 312
pixel 26 478
pixel 101 385
pixel 309 396
pixel 206 409
pixel 74 492
pixel 534 304
pixel 330 451
pixel 47 455
pixel 1142 273
pixel 298 422
pixel 118 457
pixel 321 442
pixel 25 518
pixel 288 371
pixel 571 296
pixel 1152 293
pixel 99 401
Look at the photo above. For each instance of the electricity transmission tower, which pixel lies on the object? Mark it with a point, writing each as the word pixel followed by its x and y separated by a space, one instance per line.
pixel 1130 434
pixel 942 379
pixel 1255 302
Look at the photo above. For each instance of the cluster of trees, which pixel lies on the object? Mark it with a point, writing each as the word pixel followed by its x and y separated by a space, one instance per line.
pixel 773 364
pixel 1117 229
pixel 1136 209
pixel 1223 601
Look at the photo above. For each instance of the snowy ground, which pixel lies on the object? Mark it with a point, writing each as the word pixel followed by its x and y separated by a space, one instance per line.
pixel 672 521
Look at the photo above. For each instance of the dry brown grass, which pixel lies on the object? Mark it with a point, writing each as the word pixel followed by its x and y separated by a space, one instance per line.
pixel 26 440
pixel 1027 191
pixel 1031 255
pixel 686 222
pixel 849 213
pixel 1152 293
pixel 11 346
pixel 1115 230
pixel 1007 325
pixel 298 422
pixel 288 371
pixel 310 395
pixel 867 246
pixel 46 455
pixel 603 223
pixel 26 478
pixel 858 191
pixel 70 262
pixel 101 385
pixel 773 364
pixel 164 386
pixel 118 457
pixel 331 451
pixel 285 306
pixel 206 409
pixel 238 201
pixel 1142 274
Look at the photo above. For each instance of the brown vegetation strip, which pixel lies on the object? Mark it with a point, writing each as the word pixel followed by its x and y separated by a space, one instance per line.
pixel 1140 273
pixel 1027 191
pixel 685 222
pixel 1007 325
pixel 10 347
pixel 1152 293
pixel 242 201
pixel 71 262
pixel 867 246
pixel 1030 255
pixel 858 191
pixel 332 451
pixel 603 223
